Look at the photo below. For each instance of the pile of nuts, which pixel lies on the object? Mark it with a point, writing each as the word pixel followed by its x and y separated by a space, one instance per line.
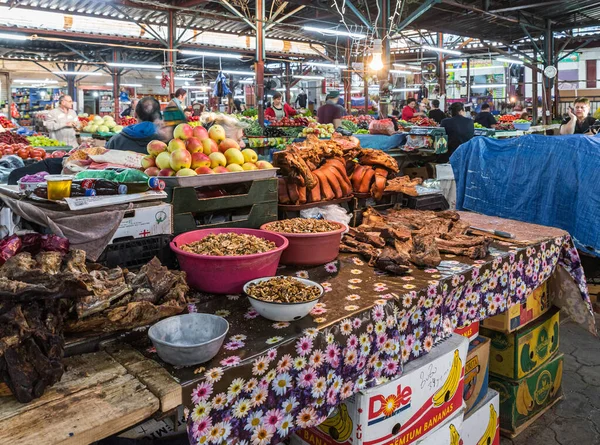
pixel 283 290
pixel 229 244
pixel 303 225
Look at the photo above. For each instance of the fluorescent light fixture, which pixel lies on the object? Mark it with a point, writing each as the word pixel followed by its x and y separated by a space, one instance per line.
pixel 441 50
pixel 110 84
pixel 400 72
pixel 335 32
pixel 239 97
pixel 283 89
pixel 403 90
pixel 239 73
pixel 309 77
pixel 507 60
pixel 355 91
pixel 476 68
pixel 151 66
pixel 327 65
pixel 209 54
pixel 246 81
pixel 409 67
pixel 6 36
pixel 176 78
pixel 489 85
pixel 35 81
pixel 78 73
pixel 196 87
pixel 376 62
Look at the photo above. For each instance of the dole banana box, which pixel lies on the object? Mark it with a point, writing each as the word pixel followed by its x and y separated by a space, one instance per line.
pixel 482 425
pixel 518 315
pixel 447 434
pixel 404 410
pixel 519 353
pixel 471 331
pixel 476 372
pixel 523 399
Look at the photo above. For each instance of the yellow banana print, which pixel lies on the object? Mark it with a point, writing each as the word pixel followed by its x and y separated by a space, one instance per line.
pixel 339 426
pixel 490 431
pixel 447 391
pixel 454 436
pixel 557 380
pixel 521 403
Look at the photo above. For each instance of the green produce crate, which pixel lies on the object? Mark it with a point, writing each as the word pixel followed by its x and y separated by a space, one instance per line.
pixel 248 217
pixel 222 197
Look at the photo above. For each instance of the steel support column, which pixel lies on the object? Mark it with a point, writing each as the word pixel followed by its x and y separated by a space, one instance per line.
pixel 442 65
pixel 288 95
pixel 360 16
pixel 387 61
pixel 260 60
pixel 171 55
pixel 347 77
pixel 468 80
pixel 547 103
pixel 71 82
pixel 365 83
pixel 534 91
pixel 116 78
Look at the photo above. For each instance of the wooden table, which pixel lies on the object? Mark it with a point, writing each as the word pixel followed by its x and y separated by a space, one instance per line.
pixel 100 394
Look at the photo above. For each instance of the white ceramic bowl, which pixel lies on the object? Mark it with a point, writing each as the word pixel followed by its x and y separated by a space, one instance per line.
pixel 283 311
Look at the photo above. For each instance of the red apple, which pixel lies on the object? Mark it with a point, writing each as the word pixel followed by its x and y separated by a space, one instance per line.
pixel 156 147
pixel 148 161
pixel 152 171
pixel 228 143
pixel 200 133
pixel 220 170
pixel 166 172
pixel 200 160
pixel 175 144
pixel 183 131
pixel 216 133
pixel 205 171
pixel 194 145
pixel 209 146
pixel 181 159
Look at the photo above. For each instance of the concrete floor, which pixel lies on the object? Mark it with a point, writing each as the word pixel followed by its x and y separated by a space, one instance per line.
pixel 575 420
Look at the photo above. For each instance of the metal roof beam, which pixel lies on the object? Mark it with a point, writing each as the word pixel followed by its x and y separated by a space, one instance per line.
pixel 489 14
pixel 230 8
pixel 583 45
pixel 358 14
pixel 529 6
pixel 422 9
pixel 524 28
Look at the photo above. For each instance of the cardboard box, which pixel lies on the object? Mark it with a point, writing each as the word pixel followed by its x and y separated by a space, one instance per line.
pixel 476 372
pixel 518 315
pixel 520 353
pixel 470 331
pixel 146 220
pixel 524 399
pixel 447 434
pixel 404 410
pixel 482 425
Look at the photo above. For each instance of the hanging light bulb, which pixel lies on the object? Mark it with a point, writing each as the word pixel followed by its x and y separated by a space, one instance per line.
pixel 376 63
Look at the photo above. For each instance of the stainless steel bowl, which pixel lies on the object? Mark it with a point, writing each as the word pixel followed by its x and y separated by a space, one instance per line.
pixel 188 339
pixel 283 311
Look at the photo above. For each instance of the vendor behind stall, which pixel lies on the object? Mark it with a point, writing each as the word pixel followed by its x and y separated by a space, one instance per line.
pixel 579 122
pixel 136 137
pixel 331 112
pixel 485 117
pixel 278 110
pixel 410 110
pixel 62 121
pixel 178 99
pixel 459 129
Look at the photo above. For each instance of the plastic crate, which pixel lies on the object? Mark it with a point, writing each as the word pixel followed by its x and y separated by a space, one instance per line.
pixel 134 253
pixel 434 201
pixel 228 196
pixel 247 217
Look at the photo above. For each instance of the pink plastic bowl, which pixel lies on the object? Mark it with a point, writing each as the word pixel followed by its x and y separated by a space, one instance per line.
pixel 311 249
pixel 226 274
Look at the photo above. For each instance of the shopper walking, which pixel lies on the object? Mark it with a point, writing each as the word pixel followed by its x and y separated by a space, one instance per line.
pixel 459 129
pixel 435 113
pixel 62 121
pixel 331 112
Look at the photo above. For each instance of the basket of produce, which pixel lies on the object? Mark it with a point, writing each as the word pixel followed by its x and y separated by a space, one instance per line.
pixel 312 242
pixel 522 124
pixel 283 298
pixel 221 261
pixel 188 339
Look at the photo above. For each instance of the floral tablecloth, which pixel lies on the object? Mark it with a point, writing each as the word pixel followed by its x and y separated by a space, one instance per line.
pixel 272 378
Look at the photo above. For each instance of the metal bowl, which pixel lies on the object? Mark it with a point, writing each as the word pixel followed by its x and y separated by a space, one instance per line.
pixel 283 311
pixel 188 339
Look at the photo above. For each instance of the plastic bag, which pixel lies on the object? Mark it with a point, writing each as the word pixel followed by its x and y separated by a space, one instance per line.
pixel 9 247
pixel 382 126
pixel 35 243
pixel 330 212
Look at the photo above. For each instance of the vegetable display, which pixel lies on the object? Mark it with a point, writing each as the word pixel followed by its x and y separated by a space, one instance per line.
pixel 44 141
pixel 423 122
pixel 6 123
pixel 349 125
pixel 320 130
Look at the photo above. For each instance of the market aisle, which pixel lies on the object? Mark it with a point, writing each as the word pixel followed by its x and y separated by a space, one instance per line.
pixel 576 419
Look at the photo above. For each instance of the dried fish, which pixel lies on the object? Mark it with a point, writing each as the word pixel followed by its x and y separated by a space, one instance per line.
pixel 283 290
pixel 229 244
pixel 303 225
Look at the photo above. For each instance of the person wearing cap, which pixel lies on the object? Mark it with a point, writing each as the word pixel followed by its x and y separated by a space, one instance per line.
pixel 331 112
pixel 278 110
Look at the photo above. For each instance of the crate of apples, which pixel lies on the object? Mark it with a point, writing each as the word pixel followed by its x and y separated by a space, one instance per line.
pixel 196 151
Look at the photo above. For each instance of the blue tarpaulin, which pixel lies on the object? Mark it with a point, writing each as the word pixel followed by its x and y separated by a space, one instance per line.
pixel 380 141
pixel 548 180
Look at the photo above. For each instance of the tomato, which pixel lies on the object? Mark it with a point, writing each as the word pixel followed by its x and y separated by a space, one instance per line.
pixel 8 151
pixel 37 153
pixel 23 153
